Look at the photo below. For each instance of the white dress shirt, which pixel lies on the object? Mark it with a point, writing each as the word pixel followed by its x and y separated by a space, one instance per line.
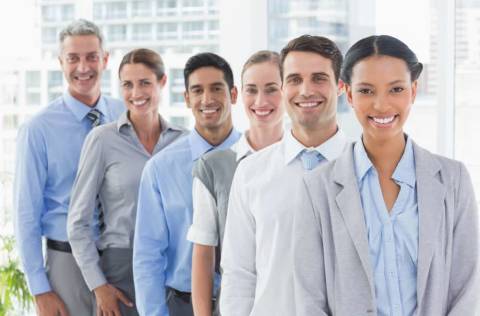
pixel 257 257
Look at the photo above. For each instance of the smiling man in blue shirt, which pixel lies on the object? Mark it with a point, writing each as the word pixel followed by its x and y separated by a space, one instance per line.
pixel 48 151
pixel 162 258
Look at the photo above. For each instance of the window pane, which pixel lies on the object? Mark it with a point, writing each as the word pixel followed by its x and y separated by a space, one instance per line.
pixel 142 8
pixel 116 10
pixel 467 78
pixel 117 33
pixel 142 32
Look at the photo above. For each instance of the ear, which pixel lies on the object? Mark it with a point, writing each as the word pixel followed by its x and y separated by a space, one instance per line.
pixel 187 99
pixel 60 60
pixel 106 56
pixel 348 93
pixel 233 94
pixel 340 87
pixel 414 90
pixel 163 81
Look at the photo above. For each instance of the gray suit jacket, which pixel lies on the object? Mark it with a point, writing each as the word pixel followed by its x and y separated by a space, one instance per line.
pixel 333 274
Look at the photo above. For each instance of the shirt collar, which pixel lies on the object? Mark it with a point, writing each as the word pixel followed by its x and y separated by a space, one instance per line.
pixel 123 120
pixel 242 147
pixel 404 172
pixel 200 146
pixel 330 149
pixel 80 109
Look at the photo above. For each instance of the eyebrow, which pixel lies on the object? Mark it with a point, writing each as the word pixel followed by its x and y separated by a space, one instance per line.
pixel 390 83
pixel 321 74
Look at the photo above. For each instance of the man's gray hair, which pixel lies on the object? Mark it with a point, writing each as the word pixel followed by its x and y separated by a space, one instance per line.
pixel 80 27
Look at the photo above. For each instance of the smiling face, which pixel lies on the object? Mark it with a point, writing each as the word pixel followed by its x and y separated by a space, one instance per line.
pixel 310 91
pixel 83 61
pixel 261 94
pixel 141 90
pixel 210 99
pixel 381 94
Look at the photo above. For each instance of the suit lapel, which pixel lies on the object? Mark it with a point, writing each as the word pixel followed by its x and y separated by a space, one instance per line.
pixel 350 206
pixel 431 208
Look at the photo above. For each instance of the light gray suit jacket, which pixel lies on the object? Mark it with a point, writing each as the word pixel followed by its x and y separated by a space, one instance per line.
pixel 333 274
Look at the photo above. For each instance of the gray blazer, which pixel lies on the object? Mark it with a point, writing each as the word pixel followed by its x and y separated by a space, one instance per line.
pixel 333 274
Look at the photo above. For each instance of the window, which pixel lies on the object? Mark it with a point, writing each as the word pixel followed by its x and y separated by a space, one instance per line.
pixel 106 81
pixel 193 30
pixel 49 35
pixel 98 11
pixel 10 122
pixel 32 79
pixel 181 121
pixel 55 78
pixel 49 13
pixel 467 77
pixel 117 33
pixel 167 31
pixel 142 32
pixel 68 12
pixel 116 10
pixel 141 8
pixel 166 7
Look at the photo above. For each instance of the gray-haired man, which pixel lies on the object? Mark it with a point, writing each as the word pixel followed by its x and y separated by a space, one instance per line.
pixel 49 147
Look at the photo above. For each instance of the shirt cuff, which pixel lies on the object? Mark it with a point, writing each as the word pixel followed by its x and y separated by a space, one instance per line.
pixel 202 237
pixel 38 284
pixel 94 277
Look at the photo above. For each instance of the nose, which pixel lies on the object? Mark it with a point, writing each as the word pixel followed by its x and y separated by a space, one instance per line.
pixel 206 97
pixel 82 65
pixel 306 89
pixel 136 91
pixel 261 99
pixel 380 103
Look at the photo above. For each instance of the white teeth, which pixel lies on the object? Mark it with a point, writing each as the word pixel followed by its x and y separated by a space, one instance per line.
pixel 384 120
pixel 83 77
pixel 208 111
pixel 262 112
pixel 138 103
pixel 307 104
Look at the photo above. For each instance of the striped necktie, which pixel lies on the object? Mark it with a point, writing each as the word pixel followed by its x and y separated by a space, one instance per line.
pixel 95 117
pixel 310 158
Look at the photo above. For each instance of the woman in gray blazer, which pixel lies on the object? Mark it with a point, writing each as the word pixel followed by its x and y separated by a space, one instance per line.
pixel 388 228
pixel 109 171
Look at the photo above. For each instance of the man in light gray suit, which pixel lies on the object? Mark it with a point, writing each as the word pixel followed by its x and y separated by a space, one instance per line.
pixel 388 228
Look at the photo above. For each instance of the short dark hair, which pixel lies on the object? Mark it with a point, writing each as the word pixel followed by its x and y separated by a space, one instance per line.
pixel 259 57
pixel 208 60
pixel 380 45
pixel 314 44
pixel 146 57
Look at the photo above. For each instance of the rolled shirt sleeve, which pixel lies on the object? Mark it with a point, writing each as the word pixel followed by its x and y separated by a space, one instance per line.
pixel 91 171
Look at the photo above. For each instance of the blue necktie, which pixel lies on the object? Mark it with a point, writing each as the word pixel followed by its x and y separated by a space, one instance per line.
pixel 310 158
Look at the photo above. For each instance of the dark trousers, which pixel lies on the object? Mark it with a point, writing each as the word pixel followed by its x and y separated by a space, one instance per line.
pixel 179 303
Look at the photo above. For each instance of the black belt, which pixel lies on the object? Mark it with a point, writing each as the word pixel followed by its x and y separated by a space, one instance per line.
pixel 185 296
pixel 62 246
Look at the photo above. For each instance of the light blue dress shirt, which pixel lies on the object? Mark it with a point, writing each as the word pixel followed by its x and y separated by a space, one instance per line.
pixel 162 256
pixel 392 237
pixel 48 150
